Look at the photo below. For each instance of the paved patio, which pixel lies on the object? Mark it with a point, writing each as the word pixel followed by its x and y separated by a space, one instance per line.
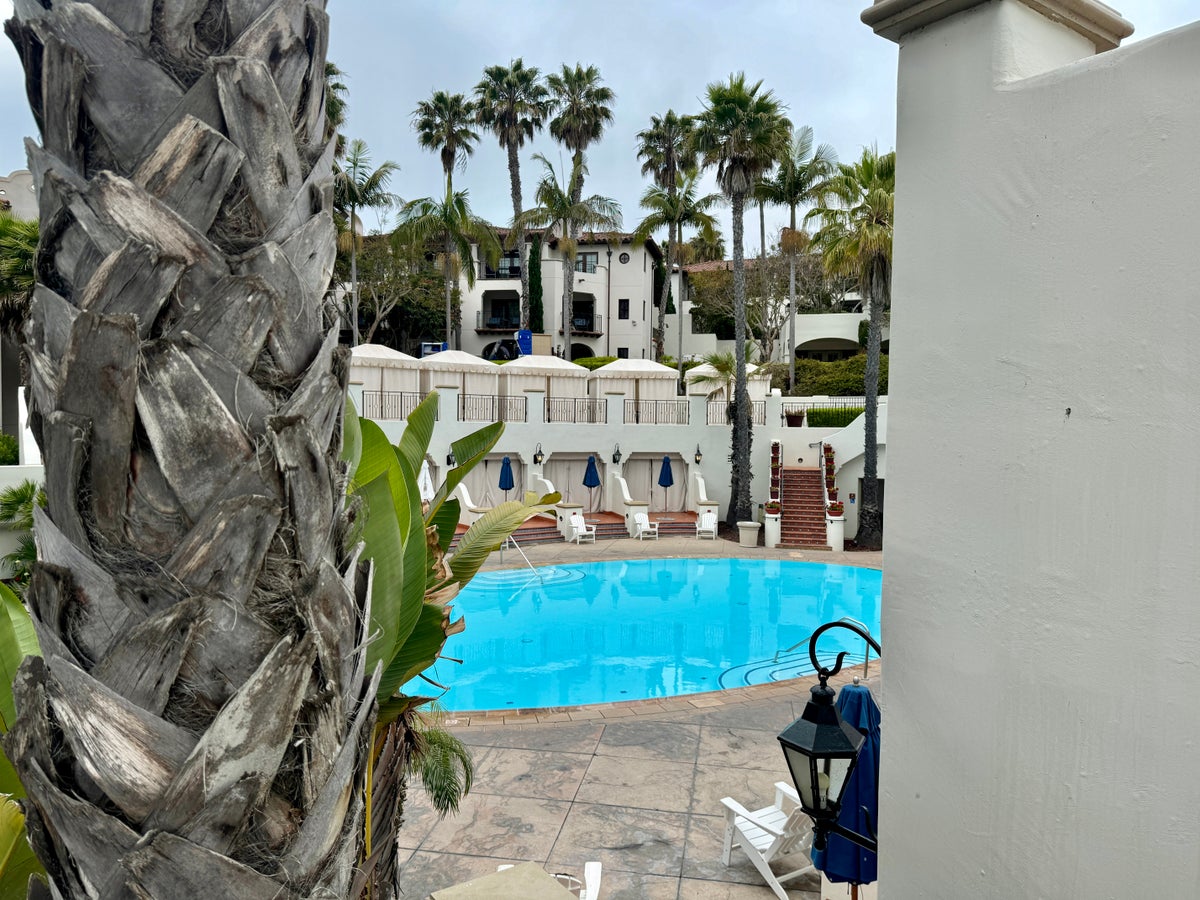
pixel 634 785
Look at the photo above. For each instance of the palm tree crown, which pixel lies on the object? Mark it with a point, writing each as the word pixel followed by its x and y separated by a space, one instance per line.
pixel 582 104
pixel 802 170
pixel 741 131
pixel 855 233
pixel 444 126
pixel 684 208
pixel 512 103
pixel 665 148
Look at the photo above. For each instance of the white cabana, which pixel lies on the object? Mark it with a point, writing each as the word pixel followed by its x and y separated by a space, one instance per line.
pixel 637 379
pixel 555 376
pixel 380 368
pixel 456 369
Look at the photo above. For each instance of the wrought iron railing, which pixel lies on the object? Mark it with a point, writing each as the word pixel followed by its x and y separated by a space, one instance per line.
pixel 390 404
pixel 489 408
pixel 503 323
pixel 577 410
pixel 656 412
pixel 587 325
pixel 721 413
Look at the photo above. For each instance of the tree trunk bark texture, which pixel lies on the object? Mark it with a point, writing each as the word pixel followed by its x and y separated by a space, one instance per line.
pixel 514 178
pixel 448 287
pixel 199 723
pixel 739 504
pixel 870 520
pixel 354 279
pixel 660 331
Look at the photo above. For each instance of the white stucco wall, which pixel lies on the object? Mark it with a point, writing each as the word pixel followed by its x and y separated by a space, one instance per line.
pixel 1040 624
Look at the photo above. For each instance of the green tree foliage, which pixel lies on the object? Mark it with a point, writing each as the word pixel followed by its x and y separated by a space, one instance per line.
pixel 537 312
pixel 591 363
pixel 401 294
pixel 18 249
pixel 10 451
pixel 17 503
pixel 444 125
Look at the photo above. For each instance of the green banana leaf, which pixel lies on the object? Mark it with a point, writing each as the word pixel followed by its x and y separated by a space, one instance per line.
pixel 471 450
pixel 446 522
pixel 418 431
pixel 17 861
pixel 17 641
pixel 421 649
pixel 491 529
pixel 351 437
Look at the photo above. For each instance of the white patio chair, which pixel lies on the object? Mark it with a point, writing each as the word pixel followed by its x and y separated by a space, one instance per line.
pixel 769 834
pixel 706 526
pixel 588 889
pixel 580 530
pixel 644 527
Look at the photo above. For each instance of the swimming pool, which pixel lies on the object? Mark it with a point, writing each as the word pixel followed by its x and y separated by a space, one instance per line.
pixel 628 630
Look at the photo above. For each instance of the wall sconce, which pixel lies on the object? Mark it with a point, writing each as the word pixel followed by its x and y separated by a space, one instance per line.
pixel 450 460
pixel 616 453
pixel 699 455
pixel 822 749
pixel 538 456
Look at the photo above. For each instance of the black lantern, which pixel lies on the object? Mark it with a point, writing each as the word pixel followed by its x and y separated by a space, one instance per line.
pixel 538 456
pixel 699 455
pixel 821 750
pixel 450 460
pixel 616 453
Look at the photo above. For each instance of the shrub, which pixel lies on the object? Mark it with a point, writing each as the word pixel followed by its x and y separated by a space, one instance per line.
pixel 10 453
pixel 591 363
pixel 843 378
pixel 834 417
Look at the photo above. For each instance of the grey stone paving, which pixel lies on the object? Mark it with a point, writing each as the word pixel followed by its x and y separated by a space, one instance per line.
pixel 636 786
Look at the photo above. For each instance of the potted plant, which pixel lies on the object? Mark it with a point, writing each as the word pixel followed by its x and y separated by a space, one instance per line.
pixel 833 493
pixel 836 507
pixel 772 507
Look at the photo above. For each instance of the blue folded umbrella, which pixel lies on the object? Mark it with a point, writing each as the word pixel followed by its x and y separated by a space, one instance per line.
pixel 665 478
pixel 591 477
pixel 841 860
pixel 506 476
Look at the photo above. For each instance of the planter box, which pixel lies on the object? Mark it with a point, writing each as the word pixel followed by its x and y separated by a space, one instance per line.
pixel 748 533
pixel 772 530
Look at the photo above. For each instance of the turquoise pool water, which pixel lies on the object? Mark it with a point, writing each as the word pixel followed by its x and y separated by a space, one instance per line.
pixel 628 630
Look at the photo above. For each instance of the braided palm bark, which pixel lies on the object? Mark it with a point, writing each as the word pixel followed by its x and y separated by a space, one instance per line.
pixel 199 723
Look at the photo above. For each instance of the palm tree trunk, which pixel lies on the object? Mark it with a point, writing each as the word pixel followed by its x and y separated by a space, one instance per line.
pixel 870 520
pixel 198 724
pixel 568 302
pixel 660 336
pixel 739 485
pixel 353 279
pixel 514 178
pixel 569 270
pixel 792 309
pixel 762 267
pixel 448 280
pixel 679 359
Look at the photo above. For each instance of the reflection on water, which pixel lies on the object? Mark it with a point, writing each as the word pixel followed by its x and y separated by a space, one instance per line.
pixel 669 627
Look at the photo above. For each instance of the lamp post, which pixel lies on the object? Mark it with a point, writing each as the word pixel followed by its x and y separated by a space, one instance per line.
pixel 538 456
pixel 821 750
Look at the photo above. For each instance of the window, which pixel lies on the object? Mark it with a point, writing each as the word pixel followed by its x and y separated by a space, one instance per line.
pixel 623 308
pixel 586 262
pixel 509 266
pixel 624 258
pixel 622 353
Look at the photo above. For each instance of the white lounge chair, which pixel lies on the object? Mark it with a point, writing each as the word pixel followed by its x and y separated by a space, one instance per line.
pixel 581 531
pixel 644 527
pixel 706 526
pixel 769 834
pixel 589 889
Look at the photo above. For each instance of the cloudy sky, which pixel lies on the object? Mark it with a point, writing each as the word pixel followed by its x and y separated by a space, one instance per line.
pixel 828 68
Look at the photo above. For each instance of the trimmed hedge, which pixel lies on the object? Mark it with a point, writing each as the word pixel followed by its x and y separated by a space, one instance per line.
pixel 843 378
pixel 591 363
pixel 835 417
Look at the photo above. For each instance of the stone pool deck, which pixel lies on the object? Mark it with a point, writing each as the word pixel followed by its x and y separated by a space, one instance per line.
pixel 635 785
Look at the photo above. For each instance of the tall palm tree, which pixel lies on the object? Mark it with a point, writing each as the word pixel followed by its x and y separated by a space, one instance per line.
pixel 514 103
pixel 199 723
pixel 335 107
pixel 583 107
pixel 855 238
pixel 451 224
pixel 444 125
pixel 675 209
pixel 665 150
pixel 357 186
pixel 555 214
pixel 801 170
pixel 741 131
pixel 707 251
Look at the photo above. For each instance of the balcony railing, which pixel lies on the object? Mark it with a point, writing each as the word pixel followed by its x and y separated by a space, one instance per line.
pixel 656 412
pixel 496 323
pixel 576 410
pixel 586 325
pixel 501 271
pixel 391 404
pixel 488 408
pixel 721 413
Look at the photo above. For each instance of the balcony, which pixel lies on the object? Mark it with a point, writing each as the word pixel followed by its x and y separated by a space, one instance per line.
pixel 488 408
pixel 506 268
pixel 383 405
pixel 721 413
pixel 656 412
pixel 496 324
pixel 586 325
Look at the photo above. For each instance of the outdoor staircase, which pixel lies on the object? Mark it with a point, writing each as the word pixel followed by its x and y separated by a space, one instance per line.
pixel 677 525
pixel 802 525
